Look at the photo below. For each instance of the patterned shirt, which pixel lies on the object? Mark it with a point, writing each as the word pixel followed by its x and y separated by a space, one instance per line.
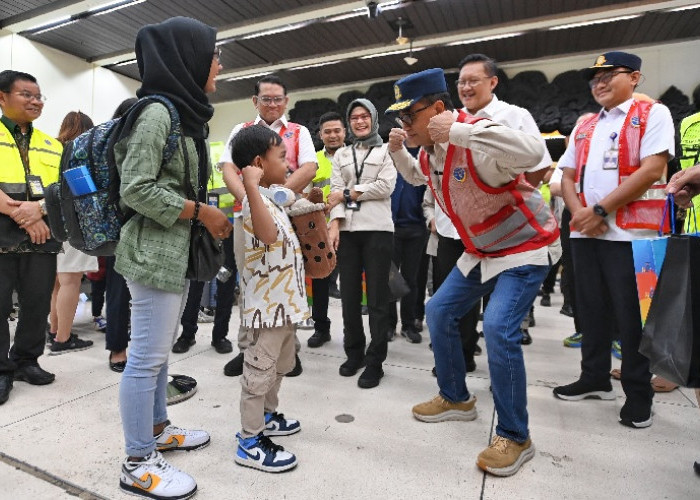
pixel 272 278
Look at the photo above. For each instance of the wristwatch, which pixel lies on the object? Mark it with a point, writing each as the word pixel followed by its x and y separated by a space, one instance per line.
pixel 346 194
pixel 599 210
pixel 42 207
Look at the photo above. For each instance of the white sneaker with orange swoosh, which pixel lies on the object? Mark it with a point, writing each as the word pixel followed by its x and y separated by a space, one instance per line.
pixel 155 478
pixel 176 439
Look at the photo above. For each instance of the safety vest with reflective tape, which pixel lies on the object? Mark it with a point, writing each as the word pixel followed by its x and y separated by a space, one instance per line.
pixel 44 160
pixel 217 185
pixel 646 211
pixel 290 136
pixel 491 221
pixel 323 174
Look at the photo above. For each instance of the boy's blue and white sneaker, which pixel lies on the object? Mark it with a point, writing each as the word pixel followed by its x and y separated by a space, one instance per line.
pixel 277 425
pixel 259 452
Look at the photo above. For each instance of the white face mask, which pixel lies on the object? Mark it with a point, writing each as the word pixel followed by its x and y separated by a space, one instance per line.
pixel 280 195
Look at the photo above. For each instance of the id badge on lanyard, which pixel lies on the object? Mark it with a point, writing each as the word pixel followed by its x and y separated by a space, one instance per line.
pixel 610 155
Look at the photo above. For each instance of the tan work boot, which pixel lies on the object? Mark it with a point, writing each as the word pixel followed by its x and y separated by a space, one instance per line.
pixel 439 409
pixel 504 457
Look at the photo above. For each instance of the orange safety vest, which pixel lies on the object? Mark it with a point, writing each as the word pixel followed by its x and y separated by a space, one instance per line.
pixel 645 212
pixel 290 136
pixel 491 221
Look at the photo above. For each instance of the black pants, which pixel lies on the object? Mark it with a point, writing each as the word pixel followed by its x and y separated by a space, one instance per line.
pixel 33 276
pixel 118 312
pixel 97 295
pixel 607 299
pixel 319 308
pixel 551 278
pixel 371 251
pixel 409 242
pixel 225 295
pixel 448 253
pixel 568 278
pixel 422 281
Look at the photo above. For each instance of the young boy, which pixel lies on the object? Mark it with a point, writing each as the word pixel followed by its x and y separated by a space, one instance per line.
pixel 273 300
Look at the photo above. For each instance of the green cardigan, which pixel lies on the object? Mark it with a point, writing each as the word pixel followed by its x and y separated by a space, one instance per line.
pixel 154 244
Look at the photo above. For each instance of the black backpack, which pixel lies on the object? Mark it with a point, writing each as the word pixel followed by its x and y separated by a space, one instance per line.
pixel 92 222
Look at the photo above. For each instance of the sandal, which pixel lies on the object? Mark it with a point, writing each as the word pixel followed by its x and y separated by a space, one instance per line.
pixel 660 384
pixel 616 373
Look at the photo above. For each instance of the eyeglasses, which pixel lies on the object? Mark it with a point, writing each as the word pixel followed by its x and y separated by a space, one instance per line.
pixel 605 78
pixel 362 117
pixel 268 101
pixel 407 118
pixel 29 97
pixel 471 83
pixel 217 53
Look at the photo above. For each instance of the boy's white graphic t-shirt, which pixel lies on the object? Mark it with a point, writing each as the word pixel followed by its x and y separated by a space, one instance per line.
pixel 272 279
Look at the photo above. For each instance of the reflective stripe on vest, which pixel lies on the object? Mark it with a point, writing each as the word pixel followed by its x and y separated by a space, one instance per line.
pixel 290 136
pixel 44 160
pixel 492 222
pixel 646 211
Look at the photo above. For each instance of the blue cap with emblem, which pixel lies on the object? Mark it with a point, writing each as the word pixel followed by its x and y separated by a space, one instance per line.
pixel 414 87
pixel 611 60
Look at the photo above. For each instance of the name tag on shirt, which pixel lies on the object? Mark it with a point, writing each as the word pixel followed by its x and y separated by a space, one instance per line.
pixel 610 159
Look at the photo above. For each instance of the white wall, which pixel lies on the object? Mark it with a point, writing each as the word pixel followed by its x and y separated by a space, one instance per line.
pixel 68 82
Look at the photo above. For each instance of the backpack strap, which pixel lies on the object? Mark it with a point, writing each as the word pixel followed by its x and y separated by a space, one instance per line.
pixel 123 129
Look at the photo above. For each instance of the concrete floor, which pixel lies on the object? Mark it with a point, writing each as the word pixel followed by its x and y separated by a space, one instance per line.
pixel 64 440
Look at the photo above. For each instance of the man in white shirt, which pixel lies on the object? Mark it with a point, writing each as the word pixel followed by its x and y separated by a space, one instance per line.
pixel 475 85
pixel 612 168
pixel 270 101
pixel 474 168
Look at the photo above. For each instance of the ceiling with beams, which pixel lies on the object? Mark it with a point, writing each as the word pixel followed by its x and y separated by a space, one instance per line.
pixel 316 44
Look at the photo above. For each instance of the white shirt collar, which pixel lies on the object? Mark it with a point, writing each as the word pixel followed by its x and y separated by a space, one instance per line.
pixel 280 122
pixel 619 109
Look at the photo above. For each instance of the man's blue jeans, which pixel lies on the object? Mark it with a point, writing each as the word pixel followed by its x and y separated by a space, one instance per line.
pixel 512 293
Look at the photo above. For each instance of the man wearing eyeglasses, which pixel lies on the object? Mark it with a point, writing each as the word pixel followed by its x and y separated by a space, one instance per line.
pixel 474 167
pixel 270 101
pixel 29 161
pixel 612 185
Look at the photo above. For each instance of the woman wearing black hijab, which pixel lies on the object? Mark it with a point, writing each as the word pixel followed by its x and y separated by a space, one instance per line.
pixel 176 59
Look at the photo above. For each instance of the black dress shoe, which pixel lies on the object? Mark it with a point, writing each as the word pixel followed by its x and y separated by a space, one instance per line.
pixel 567 310
pixel 318 339
pixel 411 334
pixel 696 466
pixel 234 368
pixel 477 350
pixel 116 366
pixel 470 365
pixel 350 367
pixel 6 387
pixel 222 346
pixel 34 374
pixel 527 340
pixel 370 377
pixel 546 300
pixel 183 345
pixel 296 371
pixel 334 292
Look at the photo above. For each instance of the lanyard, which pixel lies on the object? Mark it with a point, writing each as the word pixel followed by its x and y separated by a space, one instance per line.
pixel 358 173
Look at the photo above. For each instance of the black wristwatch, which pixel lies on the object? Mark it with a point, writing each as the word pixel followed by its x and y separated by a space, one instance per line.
pixel 598 210
pixel 348 198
